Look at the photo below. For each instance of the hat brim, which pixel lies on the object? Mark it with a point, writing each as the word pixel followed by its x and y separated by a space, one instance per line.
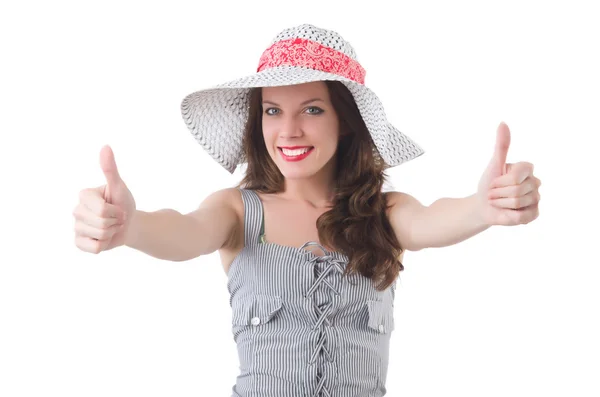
pixel 216 116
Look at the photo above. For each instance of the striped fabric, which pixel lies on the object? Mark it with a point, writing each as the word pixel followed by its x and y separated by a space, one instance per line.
pixel 301 329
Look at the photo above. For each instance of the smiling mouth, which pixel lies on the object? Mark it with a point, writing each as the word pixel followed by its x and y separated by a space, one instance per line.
pixel 296 151
pixel 295 154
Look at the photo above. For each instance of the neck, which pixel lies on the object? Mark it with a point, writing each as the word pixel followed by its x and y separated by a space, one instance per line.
pixel 316 191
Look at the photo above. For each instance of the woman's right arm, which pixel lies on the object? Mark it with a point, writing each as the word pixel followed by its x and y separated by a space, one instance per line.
pixel 170 235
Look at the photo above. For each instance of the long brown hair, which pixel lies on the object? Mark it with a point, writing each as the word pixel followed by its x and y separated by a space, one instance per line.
pixel 357 224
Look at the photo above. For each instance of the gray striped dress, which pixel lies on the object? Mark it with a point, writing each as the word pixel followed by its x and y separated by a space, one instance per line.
pixel 301 329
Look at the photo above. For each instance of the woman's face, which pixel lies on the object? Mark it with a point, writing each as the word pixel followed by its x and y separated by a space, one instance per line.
pixel 300 128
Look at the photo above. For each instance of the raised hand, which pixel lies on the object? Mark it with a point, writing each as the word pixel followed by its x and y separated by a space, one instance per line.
pixel 508 193
pixel 104 213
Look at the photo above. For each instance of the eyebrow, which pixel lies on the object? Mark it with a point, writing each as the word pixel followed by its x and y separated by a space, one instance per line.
pixel 303 103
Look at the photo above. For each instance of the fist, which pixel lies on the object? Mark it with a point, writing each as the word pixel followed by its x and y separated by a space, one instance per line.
pixel 103 214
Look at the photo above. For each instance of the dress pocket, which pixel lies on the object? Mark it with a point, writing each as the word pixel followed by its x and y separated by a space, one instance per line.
pixel 381 316
pixel 256 310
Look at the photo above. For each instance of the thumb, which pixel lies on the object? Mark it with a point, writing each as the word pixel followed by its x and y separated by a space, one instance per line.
pixel 109 167
pixel 501 148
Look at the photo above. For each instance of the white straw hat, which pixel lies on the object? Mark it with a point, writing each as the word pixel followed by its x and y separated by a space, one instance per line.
pixel 216 116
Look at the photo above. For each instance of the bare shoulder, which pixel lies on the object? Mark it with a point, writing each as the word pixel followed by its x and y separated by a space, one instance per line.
pixel 228 199
pixel 221 212
pixel 398 199
pixel 404 210
pixel 233 198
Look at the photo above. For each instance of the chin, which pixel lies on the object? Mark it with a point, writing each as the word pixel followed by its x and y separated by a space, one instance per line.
pixel 297 173
pixel 299 170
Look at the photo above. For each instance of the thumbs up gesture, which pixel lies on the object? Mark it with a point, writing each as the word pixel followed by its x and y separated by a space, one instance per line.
pixel 104 213
pixel 507 193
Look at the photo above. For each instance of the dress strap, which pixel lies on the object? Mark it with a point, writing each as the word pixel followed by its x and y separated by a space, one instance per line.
pixel 253 217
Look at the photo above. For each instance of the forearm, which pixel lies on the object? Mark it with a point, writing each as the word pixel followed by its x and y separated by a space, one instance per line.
pixel 449 221
pixel 164 234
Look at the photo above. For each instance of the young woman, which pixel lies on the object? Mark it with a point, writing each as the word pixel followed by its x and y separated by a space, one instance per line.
pixel 316 143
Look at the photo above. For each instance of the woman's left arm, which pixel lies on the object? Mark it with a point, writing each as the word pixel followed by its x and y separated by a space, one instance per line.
pixel 507 194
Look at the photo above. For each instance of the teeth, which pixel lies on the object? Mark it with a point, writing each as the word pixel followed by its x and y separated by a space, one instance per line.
pixel 295 152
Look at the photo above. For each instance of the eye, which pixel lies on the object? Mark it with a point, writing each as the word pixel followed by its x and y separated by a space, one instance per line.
pixel 316 112
pixel 319 110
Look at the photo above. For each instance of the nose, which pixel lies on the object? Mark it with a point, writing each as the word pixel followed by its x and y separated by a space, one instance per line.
pixel 290 127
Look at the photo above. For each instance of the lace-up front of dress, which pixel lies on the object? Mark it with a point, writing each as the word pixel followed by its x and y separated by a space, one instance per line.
pixel 301 327
pixel 324 295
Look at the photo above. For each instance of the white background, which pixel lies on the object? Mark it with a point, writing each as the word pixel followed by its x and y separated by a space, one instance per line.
pixel 511 312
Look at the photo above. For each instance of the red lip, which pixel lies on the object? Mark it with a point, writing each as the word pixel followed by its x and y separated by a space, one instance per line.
pixel 294 147
pixel 296 158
